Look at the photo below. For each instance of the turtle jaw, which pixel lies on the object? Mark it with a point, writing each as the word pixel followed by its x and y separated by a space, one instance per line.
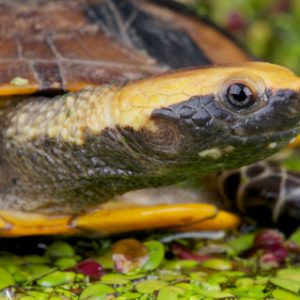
pixel 285 106
pixel 275 126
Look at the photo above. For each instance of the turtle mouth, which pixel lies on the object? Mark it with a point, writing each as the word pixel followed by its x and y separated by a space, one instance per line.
pixel 275 140
pixel 278 121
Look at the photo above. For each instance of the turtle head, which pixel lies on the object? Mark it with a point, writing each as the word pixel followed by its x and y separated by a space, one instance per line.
pixel 218 117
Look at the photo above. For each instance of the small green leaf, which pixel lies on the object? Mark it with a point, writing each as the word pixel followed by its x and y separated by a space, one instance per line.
pixel 295 237
pixel 216 294
pixel 150 286
pixel 217 264
pixel 6 279
pixel 65 262
pixel 56 278
pixel 170 293
pixel 241 244
pixel 284 295
pixel 129 295
pixel 60 249
pixel 180 264
pixel 292 274
pixel 114 279
pixel 156 254
pixel 96 291
pixel 287 284
pixel 38 295
pixel 255 292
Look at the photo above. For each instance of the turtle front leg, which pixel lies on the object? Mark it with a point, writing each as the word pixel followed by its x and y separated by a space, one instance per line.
pixel 14 223
pixel 190 216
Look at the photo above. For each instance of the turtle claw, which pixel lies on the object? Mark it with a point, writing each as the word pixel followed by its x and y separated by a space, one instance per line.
pixel 181 217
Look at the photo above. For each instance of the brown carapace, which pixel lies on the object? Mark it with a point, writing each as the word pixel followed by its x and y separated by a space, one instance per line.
pixel 66 45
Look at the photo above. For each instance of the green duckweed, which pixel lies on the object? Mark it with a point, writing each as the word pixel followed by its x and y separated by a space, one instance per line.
pixel 170 293
pixel 56 278
pixel 156 254
pixel 96 291
pixel 284 295
pixel 292 274
pixel 150 286
pixel 6 279
pixel 240 244
pixel 60 249
pixel 50 277
pixel 295 237
pixel 287 284
pixel 65 262
pixel 217 264
pixel 114 279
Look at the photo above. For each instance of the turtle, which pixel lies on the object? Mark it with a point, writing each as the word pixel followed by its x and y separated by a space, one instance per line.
pixel 106 101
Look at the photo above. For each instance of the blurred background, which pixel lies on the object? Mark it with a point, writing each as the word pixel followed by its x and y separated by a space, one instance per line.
pixel 270 29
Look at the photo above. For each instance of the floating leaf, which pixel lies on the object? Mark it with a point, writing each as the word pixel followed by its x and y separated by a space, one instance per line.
pixel 56 278
pixel 150 286
pixel 6 279
pixel 118 279
pixel 287 284
pixel 60 249
pixel 96 291
pixel 156 255
pixel 217 264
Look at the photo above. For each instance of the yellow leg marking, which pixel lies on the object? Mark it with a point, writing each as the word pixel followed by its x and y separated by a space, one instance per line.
pixel 21 224
pixel 181 217
pixel 222 221
pixel 144 217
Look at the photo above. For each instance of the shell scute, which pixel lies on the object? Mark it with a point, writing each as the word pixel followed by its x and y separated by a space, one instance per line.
pixel 68 45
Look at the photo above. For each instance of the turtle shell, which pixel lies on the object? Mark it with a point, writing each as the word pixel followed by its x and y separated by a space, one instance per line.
pixel 54 46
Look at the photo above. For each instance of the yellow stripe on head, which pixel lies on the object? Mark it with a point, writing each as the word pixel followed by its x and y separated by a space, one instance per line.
pixel 134 103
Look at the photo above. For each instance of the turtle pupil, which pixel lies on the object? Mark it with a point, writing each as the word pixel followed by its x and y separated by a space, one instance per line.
pixel 239 95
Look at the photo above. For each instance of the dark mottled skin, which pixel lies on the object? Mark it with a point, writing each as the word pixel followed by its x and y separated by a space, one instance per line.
pixel 269 193
pixel 51 171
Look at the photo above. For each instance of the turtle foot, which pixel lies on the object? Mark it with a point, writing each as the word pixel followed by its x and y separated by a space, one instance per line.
pixel 179 217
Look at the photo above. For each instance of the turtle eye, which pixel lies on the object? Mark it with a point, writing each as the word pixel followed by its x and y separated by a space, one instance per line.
pixel 242 94
pixel 239 96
